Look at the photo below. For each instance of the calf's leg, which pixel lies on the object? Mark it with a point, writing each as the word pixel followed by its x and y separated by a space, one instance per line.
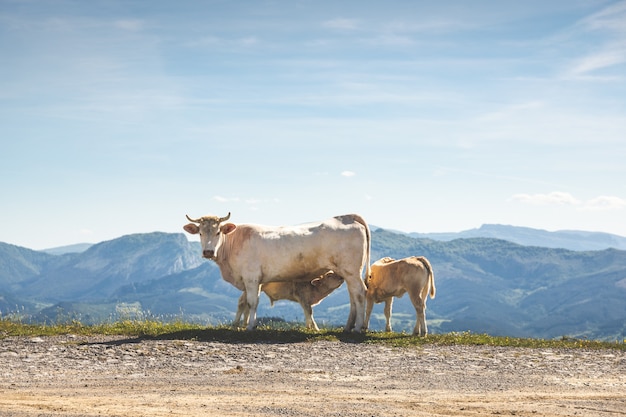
pixel 388 305
pixel 242 310
pixel 369 305
pixel 309 321
pixel 420 313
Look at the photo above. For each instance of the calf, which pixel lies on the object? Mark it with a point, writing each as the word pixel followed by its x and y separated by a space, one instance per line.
pixel 392 278
pixel 307 293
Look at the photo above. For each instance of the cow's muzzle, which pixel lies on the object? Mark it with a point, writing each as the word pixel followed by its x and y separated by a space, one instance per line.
pixel 208 253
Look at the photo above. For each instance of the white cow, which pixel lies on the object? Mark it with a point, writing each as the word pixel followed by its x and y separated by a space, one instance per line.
pixel 307 293
pixel 249 255
pixel 392 278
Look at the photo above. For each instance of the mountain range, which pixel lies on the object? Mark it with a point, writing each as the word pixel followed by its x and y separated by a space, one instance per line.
pixel 566 239
pixel 484 285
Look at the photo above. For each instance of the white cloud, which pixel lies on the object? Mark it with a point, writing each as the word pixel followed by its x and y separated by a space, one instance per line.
pixel 342 23
pixel 249 41
pixel 214 41
pixel 348 174
pixel 611 18
pixel 513 110
pixel 555 197
pixel 204 41
pixel 133 25
pixel 393 40
pixel 252 203
pixel 603 203
pixel 600 60
pixel 221 199
pixel 612 21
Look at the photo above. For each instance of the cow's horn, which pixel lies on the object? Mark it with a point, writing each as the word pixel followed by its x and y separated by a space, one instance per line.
pixel 223 219
pixel 192 220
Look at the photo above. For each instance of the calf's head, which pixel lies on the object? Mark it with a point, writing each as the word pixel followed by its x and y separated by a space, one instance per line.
pixel 327 283
pixel 211 231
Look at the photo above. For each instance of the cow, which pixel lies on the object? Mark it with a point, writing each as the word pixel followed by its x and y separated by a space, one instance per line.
pixel 392 278
pixel 250 255
pixel 307 293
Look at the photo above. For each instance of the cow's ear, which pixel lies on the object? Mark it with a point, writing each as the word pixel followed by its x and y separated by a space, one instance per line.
pixel 227 228
pixel 191 228
pixel 316 281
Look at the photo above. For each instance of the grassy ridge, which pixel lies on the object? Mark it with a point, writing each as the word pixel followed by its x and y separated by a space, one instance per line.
pixel 281 333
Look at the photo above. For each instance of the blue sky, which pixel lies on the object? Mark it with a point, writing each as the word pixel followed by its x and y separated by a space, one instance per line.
pixel 120 117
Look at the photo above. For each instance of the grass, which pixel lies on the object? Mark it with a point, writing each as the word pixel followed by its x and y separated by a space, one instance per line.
pixel 282 333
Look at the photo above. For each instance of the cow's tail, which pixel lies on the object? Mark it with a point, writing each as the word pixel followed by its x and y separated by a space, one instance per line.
pixel 368 236
pixel 431 276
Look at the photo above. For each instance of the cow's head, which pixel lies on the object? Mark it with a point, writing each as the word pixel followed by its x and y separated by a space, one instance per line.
pixel 211 231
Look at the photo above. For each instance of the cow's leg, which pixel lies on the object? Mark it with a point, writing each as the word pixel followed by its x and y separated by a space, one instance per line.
pixel 356 289
pixel 388 306
pixel 351 317
pixel 252 296
pixel 420 315
pixel 242 310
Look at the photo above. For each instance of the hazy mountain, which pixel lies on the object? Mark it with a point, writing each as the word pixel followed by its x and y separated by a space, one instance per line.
pixel 96 273
pixel 520 290
pixel 76 248
pixel 10 303
pixel 483 285
pixel 566 239
pixel 19 264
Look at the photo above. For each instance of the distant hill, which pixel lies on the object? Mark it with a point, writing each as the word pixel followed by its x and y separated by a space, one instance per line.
pixel 19 264
pixel 97 272
pixel 484 285
pixel 76 248
pixel 565 239
pixel 520 290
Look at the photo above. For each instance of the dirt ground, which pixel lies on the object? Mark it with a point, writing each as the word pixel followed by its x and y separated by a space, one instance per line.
pixel 112 376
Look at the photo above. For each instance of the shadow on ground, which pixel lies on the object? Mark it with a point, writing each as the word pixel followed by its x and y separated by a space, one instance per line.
pixel 265 335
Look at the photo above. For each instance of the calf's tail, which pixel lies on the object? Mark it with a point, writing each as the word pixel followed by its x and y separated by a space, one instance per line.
pixel 431 275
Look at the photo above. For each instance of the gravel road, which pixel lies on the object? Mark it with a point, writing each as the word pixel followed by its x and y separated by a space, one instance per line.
pixel 113 376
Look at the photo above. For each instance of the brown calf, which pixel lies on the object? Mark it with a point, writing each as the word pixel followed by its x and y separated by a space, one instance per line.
pixel 307 293
pixel 392 278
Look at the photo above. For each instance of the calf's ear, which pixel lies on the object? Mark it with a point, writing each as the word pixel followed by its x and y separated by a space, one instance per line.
pixel 191 228
pixel 227 228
